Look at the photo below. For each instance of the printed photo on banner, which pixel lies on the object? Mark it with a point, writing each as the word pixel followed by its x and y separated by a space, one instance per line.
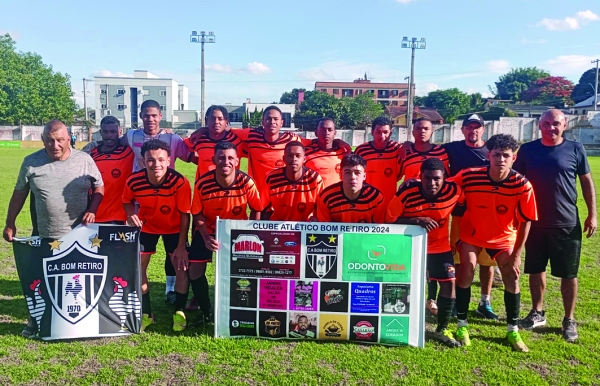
pixel 364 328
pixel 395 299
pixel 321 256
pixel 272 324
pixel 242 322
pixel 376 258
pixel 273 294
pixel 304 295
pixel 333 296
pixel 303 325
pixel 243 292
pixel 265 254
pixel 333 326
pixel 364 298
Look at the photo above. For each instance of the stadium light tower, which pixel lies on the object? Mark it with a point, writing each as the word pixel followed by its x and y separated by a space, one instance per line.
pixel 413 44
pixel 202 38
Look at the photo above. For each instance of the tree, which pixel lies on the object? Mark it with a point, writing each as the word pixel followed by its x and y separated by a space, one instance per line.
pixel 419 101
pixel 360 111
pixel 253 119
pixel 516 82
pixel 585 88
pixel 551 90
pixel 291 97
pixel 450 103
pixel 30 91
pixel 476 101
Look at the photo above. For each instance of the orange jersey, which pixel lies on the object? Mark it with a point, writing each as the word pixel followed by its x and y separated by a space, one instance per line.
pixel 212 199
pixel 205 150
pixel 334 206
pixel 265 156
pixel 493 207
pixel 383 166
pixel 325 162
pixel 293 200
pixel 411 165
pixel 114 167
pixel 410 202
pixel 160 205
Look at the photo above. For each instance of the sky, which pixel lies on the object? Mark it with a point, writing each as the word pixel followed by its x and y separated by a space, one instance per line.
pixel 264 48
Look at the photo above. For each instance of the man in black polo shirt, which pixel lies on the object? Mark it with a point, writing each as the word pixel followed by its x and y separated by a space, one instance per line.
pixel 552 165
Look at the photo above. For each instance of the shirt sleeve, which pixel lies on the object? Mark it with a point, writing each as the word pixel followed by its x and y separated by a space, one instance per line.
pixel 181 149
pixel 394 210
pixel 318 191
pixel 380 211
pixel 23 178
pixel 253 197
pixel 128 196
pixel 197 205
pixel 583 167
pixel 461 204
pixel 241 133
pixel 184 197
pixel 526 206
pixel 323 213
pixel 305 141
pixel 93 172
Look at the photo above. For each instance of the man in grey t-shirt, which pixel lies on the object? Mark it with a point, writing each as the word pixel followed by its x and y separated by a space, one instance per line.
pixel 60 178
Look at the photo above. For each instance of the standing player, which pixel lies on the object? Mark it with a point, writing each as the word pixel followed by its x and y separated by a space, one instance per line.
pixel 351 200
pixel 428 203
pixel 552 164
pixel 293 189
pixel 501 206
pixel 323 156
pixel 421 150
pixel 383 158
pixel 472 153
pixel 164 198
pixel 225 192
pixel 114 162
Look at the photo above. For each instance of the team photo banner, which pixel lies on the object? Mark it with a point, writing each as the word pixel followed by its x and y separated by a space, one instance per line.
pixel 86 284
pixel 325 281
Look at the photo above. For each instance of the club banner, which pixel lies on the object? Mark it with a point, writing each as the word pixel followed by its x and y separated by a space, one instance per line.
pixel 327 281
pixel 85 285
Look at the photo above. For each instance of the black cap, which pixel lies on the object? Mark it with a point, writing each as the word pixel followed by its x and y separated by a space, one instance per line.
pixel 473 118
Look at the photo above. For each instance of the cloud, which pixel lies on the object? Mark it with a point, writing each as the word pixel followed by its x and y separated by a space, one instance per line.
pixel 347 71
pixel 569 64
pixel 580 19
pixel 15 35
pixel 255 68
pixel 109 73
pixel 499 66
pixel 423 89
pixel 533 41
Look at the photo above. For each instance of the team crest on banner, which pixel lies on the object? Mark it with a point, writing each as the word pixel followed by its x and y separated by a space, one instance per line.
pixel 75 280
pixel 321 256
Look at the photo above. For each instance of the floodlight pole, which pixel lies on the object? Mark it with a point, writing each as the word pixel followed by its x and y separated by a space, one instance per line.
pixel 202 38
pixel 413 44
pixel 596 88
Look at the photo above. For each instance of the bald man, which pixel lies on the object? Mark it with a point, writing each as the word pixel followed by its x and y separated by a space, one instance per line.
pixel 552 165
pixel 61 179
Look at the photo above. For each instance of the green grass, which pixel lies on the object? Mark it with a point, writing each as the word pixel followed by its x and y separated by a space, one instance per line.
pixel 162 357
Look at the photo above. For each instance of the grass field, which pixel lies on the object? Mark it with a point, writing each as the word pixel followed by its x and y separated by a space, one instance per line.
pixel 161 357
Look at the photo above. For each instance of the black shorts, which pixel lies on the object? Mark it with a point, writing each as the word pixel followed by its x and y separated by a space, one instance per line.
pixel 490 251
pixel 112 222
pixel 562 246
pixel 440 266
pixel 148 242
pixel 197 252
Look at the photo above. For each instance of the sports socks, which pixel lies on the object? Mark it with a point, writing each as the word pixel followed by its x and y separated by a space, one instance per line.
pixel 146 308
pixel 170 286
pixel 485 299
pixel 512 302
pixel 432 287
pixel 170 273
pixel 200 288
pixel 445 306
pixel 463 298
pixel 180 300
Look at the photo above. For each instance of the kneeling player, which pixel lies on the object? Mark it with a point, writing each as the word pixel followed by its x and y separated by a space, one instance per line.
pixel 164 197
pixel 224 192
pixel 429 203
pixel 500 208
pixel 351 199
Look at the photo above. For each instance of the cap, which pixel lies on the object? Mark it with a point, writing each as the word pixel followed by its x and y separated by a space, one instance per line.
pixel 473 118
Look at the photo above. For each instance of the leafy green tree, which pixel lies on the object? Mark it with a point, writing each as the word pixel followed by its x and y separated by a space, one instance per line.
pixel 551 91
pixel 292 96
pixel 360 112
pixel 419 101
pixel 517 81
pixel 30 91
pixel 317 105
pixel 450 103
pixel 476 101
pixel 585 87
pixel 253 119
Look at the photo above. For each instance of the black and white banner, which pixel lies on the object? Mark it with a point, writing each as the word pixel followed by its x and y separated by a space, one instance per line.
pixel 86 284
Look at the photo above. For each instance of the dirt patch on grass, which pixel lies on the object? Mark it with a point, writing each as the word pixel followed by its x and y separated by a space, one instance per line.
pixel 10 359
pixel 540 369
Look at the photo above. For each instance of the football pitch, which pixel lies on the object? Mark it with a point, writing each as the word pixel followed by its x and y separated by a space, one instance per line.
pixel 161 357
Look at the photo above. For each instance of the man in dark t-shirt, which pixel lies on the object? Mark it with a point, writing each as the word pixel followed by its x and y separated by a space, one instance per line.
pixel 552 165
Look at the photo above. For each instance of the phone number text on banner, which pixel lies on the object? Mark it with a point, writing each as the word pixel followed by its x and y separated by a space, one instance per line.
pixel 329 281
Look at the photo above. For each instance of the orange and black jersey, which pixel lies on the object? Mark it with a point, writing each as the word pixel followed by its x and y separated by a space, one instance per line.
pixel 410 201
pixel 383 166
pixel 212 199
pixel 205 149
pixel 334 206
pixel 325 162
pixel 160 205
pixel 411 165
pixel 115 168
pixel 493 207
pixel 293 200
